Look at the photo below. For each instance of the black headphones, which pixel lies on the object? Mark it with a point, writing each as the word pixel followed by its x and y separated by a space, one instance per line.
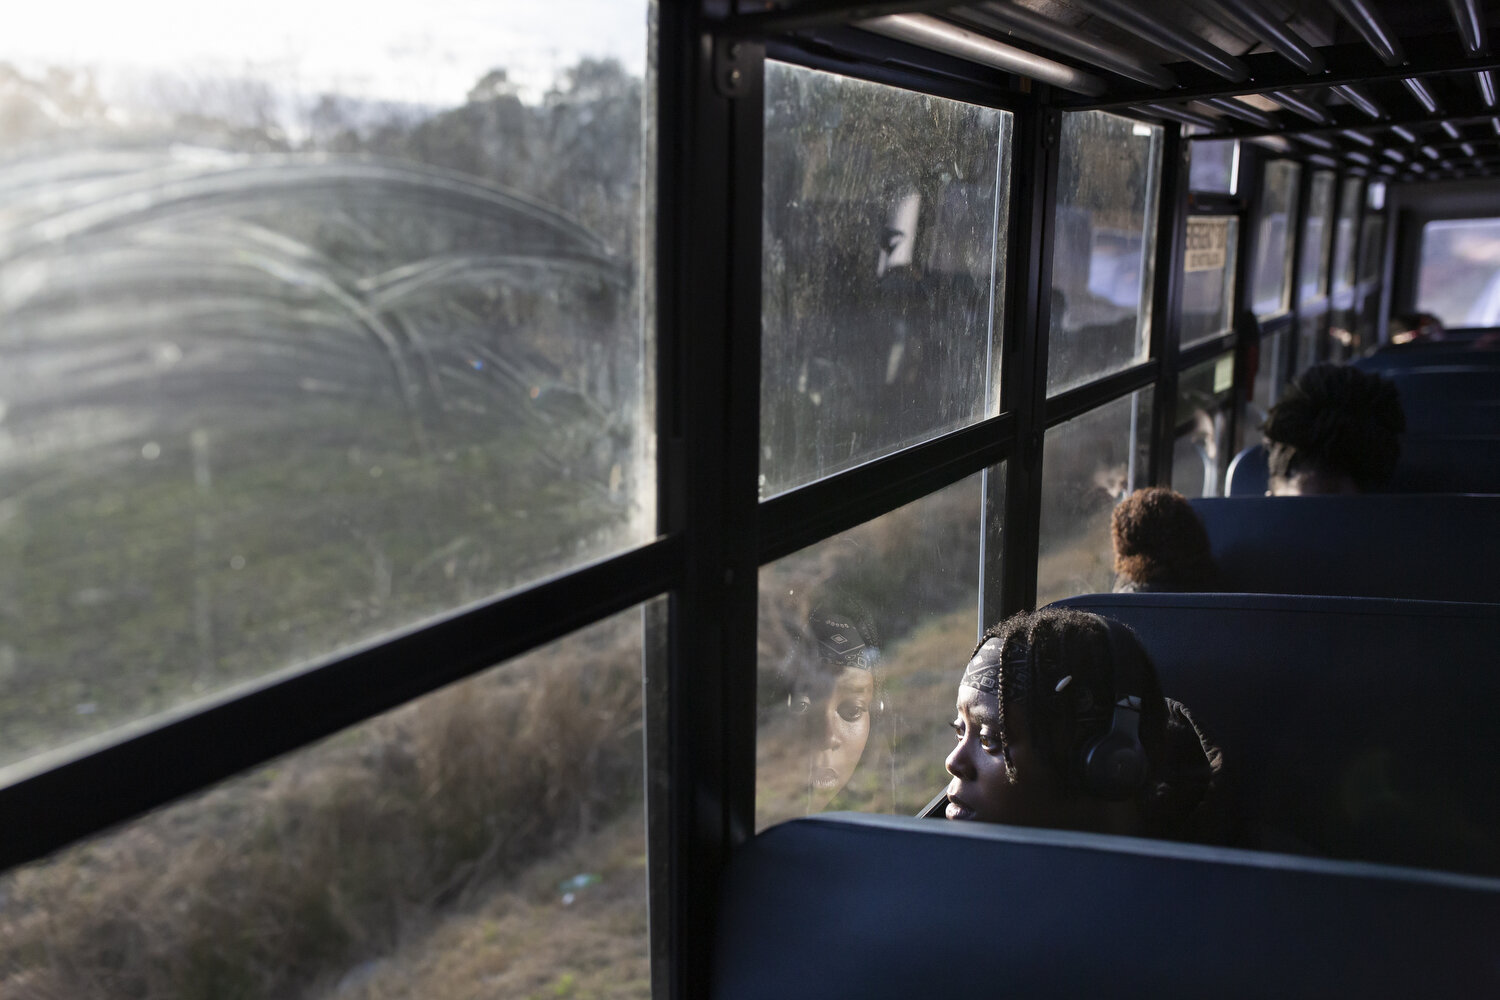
pixel 1115 765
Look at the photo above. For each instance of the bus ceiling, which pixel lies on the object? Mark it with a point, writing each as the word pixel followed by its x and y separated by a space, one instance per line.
pixel 1387 87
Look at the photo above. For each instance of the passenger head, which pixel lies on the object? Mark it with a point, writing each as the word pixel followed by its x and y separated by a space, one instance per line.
pixel 1335 430
pixel 836 696
pixel 1041 741
pixel 1160 544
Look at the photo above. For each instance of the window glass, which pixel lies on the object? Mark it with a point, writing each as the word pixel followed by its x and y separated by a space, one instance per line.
pixel 1317 237
pixel 1089 464
pixel 884 226
pixel 485 840
pixel 1108 180
pixel 862 640
pixel 1266 387
pixel 1214 166
pixel 1341 340
pixel 1372 248
pixel 1272 284
pixel 1199 456
pixel 312 327
pixel 1459 280
pixel 1208 278
pixel 1343 244
pixel 1310 327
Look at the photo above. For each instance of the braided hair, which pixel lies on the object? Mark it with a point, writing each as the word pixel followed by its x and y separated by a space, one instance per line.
pixel 1053 671
pixel 1056 673
pixel 1340 420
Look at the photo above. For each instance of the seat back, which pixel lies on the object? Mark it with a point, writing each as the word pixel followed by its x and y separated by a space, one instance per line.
pixel 1351 727
pixel 1448 549
pixel 1415 357
pixel 1432 463
pixel 1249 473
pixel 893 907
pixel 1429 463
pixel 1443 383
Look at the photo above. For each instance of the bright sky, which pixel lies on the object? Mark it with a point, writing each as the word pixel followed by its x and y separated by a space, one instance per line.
pixel 421 51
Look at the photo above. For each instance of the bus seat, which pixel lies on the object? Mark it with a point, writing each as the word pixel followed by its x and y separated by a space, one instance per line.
pixel 1249 474
pixel 1418 357
pixel 1448 464
pixel 1340 545
pixel 1449 382
pixel 851 905
pixel 1429 463
pixel 1453 417
pixel 1354 727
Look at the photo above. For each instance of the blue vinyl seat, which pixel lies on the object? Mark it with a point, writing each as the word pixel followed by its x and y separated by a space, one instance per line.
pixel 1352 727
pixel 894 908
pixel 1429 463
pixel 1449 546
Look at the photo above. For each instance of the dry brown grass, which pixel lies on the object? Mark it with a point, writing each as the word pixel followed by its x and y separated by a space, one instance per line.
pixel 525 941
pixel 276 883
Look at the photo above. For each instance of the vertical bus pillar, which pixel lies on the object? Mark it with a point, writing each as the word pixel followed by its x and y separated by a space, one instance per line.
pixel 1166 300
pixel 1032 233
pixel 701 723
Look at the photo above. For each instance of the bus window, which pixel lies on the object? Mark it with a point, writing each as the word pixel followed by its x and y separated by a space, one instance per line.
pixel 884 222
pixel 1459 276
pixel 467 837
pixel 1208 277
pixel 1371 262
pixel 1317 238
pixel 305 341
pixel 858 638
pixel 1317 242
pixel 1372 248
pixel 1089 464
pixel 1107 189
pixel 1271 283
pixel 1200 454
pixel 1344 240
pixel 1215 166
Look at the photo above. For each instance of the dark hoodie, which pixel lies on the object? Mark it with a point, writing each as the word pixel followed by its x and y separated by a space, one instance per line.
pixel 1188 800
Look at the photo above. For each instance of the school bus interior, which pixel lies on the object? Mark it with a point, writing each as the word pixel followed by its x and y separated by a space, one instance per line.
pixel 495 498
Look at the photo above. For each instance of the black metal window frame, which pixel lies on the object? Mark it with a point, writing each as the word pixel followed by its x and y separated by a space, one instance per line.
pixel 714 533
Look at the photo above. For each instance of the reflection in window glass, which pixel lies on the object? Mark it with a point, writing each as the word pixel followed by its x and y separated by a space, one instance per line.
pixel 1459 280
pixel 1343 244
pixel 1272 283
pixel 1200 454
pixel 1108 181
pixel 1214 166
pixel 307 336
pixel 882 276
pixel 1208 278
pixel 1317 238
pixel 486 840
pixel 1089 464
pixel 862 639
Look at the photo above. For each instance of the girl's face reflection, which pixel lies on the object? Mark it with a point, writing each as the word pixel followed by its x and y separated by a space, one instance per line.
pixel 836 715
